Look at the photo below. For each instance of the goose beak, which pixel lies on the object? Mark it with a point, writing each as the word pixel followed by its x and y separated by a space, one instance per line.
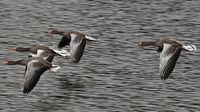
pixel 140 45
pixel 50 32
pixel 5 62
pixel 14 49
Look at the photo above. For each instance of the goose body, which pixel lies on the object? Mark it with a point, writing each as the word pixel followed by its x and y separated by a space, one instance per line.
pixel 76 41
pixel 35 67
pixel 170 52
pixel 41 51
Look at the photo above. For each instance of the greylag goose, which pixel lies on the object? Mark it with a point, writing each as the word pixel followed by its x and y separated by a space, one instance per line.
pixel 41 51
pixel 170 51
pixel 35 67
pixel 76 40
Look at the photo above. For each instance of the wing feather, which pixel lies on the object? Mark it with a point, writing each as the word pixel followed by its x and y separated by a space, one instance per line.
pixel 33 72
pixel 168 59
pixel 64 41
pixel 77 47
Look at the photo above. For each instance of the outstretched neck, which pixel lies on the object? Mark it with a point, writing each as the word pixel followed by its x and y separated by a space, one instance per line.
pixel 147 43
pixel 20 49
pixel 17 62
pixel 59 33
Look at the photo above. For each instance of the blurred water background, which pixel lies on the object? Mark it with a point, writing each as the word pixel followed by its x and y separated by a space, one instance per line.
pixel 114 75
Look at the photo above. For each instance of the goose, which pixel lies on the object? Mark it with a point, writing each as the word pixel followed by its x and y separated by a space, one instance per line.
pixel 35 67
pixel 76 41
pixel 41 51
pixel 170 50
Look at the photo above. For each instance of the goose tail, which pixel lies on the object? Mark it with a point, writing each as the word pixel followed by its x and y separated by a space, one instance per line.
pixel 190 47
pixel 54 68
pixel 90 38
pixel 62 52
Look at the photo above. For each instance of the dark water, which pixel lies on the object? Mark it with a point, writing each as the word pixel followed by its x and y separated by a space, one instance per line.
pixel 114 75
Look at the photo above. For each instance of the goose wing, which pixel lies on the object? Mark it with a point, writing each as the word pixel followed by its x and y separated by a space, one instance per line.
pixel 77 46
pixel 34 69
pixel 44 54
pixel 168 59
pixel 49 58
pixel 41 53
pixel 64 41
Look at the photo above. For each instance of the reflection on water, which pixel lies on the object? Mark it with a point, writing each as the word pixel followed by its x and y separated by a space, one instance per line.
pixel 114 74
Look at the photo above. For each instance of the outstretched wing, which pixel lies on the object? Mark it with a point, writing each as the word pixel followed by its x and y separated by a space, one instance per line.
pixel 64 41
pixel 34 70
pixel 168 59
pixel 77 47
pixel 49 58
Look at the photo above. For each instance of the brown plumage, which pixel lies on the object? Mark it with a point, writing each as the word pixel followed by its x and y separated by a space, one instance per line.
pixel 76 41
pixel 170 51
pixel 39 51
pixel 35 67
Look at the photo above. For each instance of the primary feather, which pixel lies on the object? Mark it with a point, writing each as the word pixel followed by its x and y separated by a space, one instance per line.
pixel 168 59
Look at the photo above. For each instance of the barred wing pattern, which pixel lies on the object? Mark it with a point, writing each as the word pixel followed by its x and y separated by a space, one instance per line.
pixel 34 70
pixel 77 47
pixel 168 59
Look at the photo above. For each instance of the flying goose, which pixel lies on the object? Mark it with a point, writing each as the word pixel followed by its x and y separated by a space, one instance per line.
pixel 35 67
pixel 76 40
pixel 170 51
pixel 41 51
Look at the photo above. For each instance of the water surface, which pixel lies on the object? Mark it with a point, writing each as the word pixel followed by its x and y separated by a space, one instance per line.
pixel 114 75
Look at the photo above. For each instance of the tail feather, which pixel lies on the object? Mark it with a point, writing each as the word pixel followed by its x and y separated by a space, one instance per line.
pixel 54 68
pixel 90 38
pixel 62 52
pixel 190 47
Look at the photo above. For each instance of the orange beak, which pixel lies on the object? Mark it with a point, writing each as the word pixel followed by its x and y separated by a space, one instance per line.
pixel 14 49
pixel 140 45
pixel 5 62
pixel 49 33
